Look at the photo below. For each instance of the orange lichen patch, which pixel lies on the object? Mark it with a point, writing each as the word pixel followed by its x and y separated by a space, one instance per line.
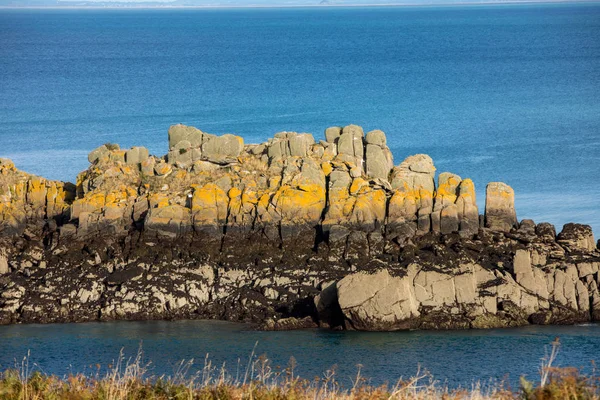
pixel 36 192
pixel 127 170
pixel 403 205
pixel 407 199
pixel 446 191
pixel 158 200
pixel 357 185
pixel 92 202
pixel 300 205
pixel 369 207
pixel 240 141
pixel 19 190
pixel 162 169
pixel 339 206
pixel 117 155
pixel 347 207
pixel 327 168
pixel 467 189
pixel 7 166
pixel 234 192
pixel 180 174
pixel 235 205
pixel 209 205
pixel 274 182
pixel 263 204
pixel 250 196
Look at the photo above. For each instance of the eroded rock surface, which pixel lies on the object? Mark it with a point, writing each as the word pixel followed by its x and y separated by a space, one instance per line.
pixel 291 233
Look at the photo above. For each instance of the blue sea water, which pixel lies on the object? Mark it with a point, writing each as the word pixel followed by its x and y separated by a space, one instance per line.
pixel 456 358
pixel 497 92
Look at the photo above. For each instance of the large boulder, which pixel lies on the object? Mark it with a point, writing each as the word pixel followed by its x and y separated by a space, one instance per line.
pixel 500 214
pixel 576 237
pixel 179 133
pixel 332 134
pixel 377 302
pixel 290 144
pixel 378 157
pixel 136 155
pixel 350 146
pixel 98 153
pixel 222 149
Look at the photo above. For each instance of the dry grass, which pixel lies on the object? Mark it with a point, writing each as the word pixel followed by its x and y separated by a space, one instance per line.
pixel 258 380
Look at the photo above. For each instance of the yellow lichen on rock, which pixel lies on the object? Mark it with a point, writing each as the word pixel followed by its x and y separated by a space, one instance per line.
pixel 36 192
pixel 209 205
pixel 158 200
pixel 446 192
pixel 500 207
pixel 91 203
pixel 327 168
pixel 292 179
pixel 299 206
pixel 369 208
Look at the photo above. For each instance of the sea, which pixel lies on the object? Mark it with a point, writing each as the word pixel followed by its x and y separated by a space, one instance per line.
pixel 492 92
pixel 451 358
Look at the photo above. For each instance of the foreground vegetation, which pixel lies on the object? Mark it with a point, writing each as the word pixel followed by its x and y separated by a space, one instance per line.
pixel 130 380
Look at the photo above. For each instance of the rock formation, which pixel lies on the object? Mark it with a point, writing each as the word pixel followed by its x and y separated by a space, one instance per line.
pixel 289 233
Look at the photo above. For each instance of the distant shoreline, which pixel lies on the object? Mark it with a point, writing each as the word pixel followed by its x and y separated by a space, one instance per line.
pixel 208 7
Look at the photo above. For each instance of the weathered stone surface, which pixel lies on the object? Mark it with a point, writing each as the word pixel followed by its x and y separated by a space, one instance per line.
pixel 170 221
pixel 576 237
pixel 98 153
pixel 219 149
pixel 378 157
pixel 179 133
pixel 444 217
pixel 413 188
pixel 4 268
pixel 377 301
pixel 350 146
pixel 332 134
pixel 500 207
pixel 466 203
pixel 136 155
pixel 290 144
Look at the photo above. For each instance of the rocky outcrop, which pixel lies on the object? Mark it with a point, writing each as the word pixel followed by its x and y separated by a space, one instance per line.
pixel 290 233
pixel 467 296
pixel 500 207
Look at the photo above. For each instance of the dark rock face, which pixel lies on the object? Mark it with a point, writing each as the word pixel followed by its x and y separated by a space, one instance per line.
pixel 438 282
pixel 288 234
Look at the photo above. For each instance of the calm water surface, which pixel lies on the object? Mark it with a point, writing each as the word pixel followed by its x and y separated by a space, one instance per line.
pixel 457 357
pixel 491 92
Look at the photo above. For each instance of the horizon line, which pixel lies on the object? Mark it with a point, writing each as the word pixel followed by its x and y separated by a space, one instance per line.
pixel 165 6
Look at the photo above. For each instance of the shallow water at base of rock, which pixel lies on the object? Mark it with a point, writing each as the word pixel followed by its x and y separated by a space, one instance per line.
pixel 457 358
